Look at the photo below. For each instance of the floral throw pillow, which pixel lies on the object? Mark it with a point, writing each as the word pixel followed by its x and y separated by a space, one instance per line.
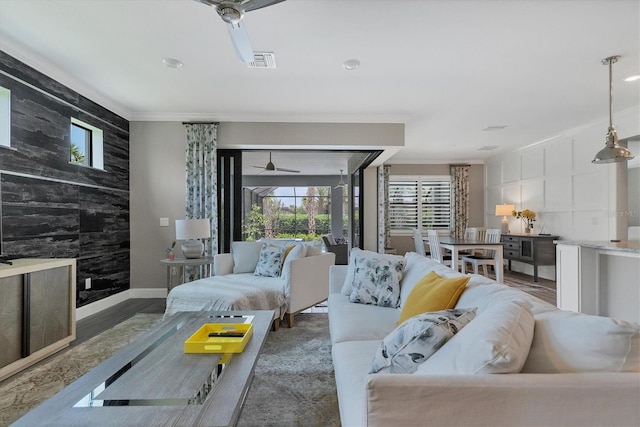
pixel 270 261
pixel 416 339
pixel 376 280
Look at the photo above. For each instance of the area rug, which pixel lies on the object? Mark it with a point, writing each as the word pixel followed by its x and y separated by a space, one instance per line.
pixel 27 389
pixel 293 384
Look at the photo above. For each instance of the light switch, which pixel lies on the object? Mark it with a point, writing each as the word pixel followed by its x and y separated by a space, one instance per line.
pixel 164 222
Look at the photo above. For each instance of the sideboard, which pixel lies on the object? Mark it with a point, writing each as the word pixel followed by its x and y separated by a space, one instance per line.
pixel 531 249
pixel 37 311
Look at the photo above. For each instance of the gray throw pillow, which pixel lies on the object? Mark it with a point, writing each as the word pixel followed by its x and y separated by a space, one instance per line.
pixel 417 338
pixel 376 279
pixel 270 261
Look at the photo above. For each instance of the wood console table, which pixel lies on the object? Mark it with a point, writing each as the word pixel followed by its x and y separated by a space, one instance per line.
pixel 530 249
pixel 37 311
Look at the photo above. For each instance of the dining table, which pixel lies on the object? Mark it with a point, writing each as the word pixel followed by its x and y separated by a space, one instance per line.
pixel 455 245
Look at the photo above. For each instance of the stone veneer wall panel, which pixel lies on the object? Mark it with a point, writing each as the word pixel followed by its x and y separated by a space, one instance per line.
pixel 51 208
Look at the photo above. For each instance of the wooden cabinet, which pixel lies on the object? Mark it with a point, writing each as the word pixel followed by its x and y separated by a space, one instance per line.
pixel 37 311
pixel 530 249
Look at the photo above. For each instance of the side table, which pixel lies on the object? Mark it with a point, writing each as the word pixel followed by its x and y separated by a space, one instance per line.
pixel 205 261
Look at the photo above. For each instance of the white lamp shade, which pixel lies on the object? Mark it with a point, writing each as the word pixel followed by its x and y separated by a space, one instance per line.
pixel 193 229
pixel 504 210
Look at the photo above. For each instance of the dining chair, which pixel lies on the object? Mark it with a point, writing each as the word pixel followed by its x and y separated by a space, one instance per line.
pixel 436 250
pixel 418 242
pixel 492 235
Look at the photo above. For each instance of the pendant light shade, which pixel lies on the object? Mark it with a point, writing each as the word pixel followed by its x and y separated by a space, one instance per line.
pixel 612 152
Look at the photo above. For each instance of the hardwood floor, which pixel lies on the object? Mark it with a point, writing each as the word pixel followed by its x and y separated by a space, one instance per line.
pixel 106 319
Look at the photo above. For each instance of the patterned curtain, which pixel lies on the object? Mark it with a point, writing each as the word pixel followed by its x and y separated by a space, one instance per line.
pixel 384 232
pixel 202 187
pixel 459 199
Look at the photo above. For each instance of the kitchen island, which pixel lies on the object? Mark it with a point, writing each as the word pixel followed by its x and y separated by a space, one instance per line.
pixel 599 277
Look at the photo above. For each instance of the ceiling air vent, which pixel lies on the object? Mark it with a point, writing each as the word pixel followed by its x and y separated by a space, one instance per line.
pixel 263 60
pixel 488 148
pixel 498 127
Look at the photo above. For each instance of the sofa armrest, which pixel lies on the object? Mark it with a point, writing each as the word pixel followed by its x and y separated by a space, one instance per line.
pixel 222 264
pixel 337 274
pixel 309 281
pixel 584 399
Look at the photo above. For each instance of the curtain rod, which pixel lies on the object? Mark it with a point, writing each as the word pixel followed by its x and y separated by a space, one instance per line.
pixel 200 123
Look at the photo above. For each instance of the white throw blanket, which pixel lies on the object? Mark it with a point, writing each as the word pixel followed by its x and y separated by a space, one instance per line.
pixel 231 292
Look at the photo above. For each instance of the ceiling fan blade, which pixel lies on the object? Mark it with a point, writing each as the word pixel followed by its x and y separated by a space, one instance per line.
pixel 259 167
pixel 287 170
pixel 241 42
pixel 258 4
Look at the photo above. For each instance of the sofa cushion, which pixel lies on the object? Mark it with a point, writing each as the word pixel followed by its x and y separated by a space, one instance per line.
pixel 359 322
pixel 270 261
pixel 415 340
pixel 376 279
pixel 417 267
pixel 245 256
pixel 433 293
pixel 496 342
pixel 482 292
pixel 566 342
pixel 351 361
pixel 297 251
pixel 313 247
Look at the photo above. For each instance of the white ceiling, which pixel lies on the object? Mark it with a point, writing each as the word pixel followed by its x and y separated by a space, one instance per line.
pixel 445 68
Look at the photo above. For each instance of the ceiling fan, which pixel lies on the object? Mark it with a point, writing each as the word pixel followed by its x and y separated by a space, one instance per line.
pixel 341 184
pixel 271 167
pixel 232 13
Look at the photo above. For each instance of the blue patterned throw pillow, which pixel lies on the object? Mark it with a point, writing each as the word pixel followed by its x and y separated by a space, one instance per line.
pixel 416 339
pixel 376 279
pixel 270 261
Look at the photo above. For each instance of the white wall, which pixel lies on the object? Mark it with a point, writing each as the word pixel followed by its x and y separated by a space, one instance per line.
pixel 572 197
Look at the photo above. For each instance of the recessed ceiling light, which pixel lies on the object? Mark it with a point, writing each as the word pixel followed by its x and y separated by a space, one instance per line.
pixel 351 64
pixel 632 78
pixel 172 63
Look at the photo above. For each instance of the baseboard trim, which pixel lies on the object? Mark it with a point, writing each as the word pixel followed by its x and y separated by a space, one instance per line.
pixel 148 293
pixel 103 304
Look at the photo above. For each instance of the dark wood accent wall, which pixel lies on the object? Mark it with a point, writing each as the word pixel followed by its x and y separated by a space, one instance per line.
pixel 51 208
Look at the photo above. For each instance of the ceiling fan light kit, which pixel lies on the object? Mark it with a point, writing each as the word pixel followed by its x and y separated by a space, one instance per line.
pixel 232 12
pixel 612 152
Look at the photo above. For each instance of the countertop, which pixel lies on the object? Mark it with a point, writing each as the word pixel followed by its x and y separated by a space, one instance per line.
pixel 632 246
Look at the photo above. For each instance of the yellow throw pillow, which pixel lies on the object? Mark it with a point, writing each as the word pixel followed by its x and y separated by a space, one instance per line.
pixel 286 252
pixel 433 293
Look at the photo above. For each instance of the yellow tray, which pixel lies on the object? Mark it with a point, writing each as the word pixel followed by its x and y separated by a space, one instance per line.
pixel 201 342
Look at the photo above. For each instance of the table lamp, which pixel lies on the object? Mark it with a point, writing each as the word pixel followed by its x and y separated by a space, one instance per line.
pixel 504 210
pixel 190 230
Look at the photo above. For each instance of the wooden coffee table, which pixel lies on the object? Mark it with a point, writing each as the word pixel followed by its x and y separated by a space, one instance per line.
pixel 153 382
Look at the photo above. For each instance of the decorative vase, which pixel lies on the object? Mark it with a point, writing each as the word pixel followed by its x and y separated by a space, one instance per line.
pixel 527 230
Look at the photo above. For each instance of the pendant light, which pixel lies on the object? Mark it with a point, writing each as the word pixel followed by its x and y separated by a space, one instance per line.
pixel 612 152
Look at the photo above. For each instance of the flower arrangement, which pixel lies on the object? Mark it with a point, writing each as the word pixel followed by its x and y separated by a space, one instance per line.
pixel 527 216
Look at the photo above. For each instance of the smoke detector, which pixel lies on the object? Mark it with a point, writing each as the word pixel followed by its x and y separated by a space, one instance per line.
pixel 263 60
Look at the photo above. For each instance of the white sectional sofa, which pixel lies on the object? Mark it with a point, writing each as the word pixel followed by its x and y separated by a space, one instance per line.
pixel 301 283
pixel 578 370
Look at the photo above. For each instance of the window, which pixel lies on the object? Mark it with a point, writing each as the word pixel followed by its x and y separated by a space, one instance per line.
pixel 5 117
pixel 86 144
pixel 288 212
pixel 422 202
